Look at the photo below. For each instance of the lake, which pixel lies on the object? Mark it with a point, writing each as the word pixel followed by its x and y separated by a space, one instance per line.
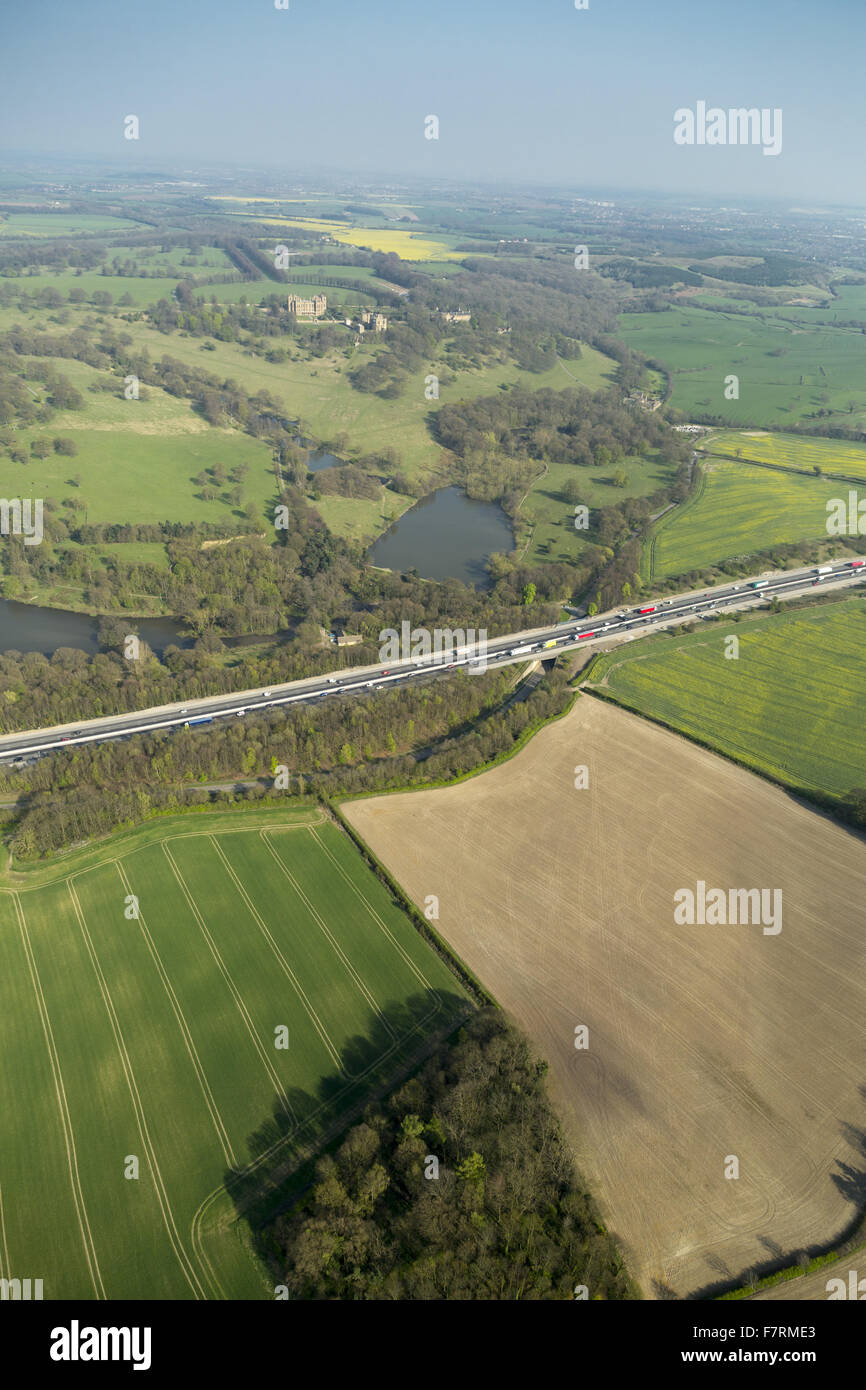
pixel 319 460
pixel 26 628
pixel 446 536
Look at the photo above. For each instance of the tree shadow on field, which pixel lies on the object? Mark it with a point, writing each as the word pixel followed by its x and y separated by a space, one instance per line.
pixel 282 1150
pixel 664 1292
pixel 850 1180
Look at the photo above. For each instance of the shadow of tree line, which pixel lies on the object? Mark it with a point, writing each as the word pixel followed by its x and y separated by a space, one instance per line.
pixel 398 1039
pixel 850 1182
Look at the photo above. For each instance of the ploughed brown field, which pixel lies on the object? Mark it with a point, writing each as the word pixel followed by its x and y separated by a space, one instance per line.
pixel 705 1042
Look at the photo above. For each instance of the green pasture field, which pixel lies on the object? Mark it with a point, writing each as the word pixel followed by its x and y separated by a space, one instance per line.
pixel 155 412
pixel 552 518
pixel 313 273
pixel 154 1039
pixel 141 291
pixel 143 478
pixel 359 518
pixel 790 705
pixel 738 509
pixel 208 258
pixel 832 456
pixel 131 552
pixel 820 367
pixel 319 393
pixel 846 303
pixel 55 224
pixel 253 291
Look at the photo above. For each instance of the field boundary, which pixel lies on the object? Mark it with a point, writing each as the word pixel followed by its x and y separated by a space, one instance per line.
pixel 821 801
pixel 830 1255
pixel 648 554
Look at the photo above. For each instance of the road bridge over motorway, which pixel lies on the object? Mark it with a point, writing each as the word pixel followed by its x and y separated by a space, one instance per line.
pixel 616 626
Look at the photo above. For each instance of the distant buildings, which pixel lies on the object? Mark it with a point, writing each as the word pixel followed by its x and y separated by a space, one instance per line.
pixel 308 308
pixel 645 401
pixel 455 315
pixel 371 318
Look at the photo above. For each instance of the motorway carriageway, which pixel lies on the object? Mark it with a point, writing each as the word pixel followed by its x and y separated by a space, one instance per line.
pixel 500 651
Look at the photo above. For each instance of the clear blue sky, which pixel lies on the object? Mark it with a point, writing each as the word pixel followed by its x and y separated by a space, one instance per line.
pixel 524 89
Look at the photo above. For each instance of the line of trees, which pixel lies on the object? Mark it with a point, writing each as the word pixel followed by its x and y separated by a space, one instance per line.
pixel 413 736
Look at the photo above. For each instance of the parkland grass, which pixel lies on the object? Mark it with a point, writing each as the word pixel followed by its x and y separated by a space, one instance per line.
pixel 148 1046
pixel 145 478
pixel 319 392
pixel 552 518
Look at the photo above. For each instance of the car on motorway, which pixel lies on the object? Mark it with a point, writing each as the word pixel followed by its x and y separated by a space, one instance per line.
pixel 184 710
pixel 369 683
pixel 240 713
pixel 450 666
pixel 386 673
pixel 332 680
pixel 266 692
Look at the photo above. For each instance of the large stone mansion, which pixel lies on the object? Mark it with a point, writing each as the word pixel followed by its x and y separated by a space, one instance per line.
pixel 308 308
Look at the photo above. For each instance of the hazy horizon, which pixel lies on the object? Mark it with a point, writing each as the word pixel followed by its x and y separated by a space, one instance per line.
pixel 526 95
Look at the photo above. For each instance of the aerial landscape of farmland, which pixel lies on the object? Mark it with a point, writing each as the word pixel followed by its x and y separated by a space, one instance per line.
pixel 432 632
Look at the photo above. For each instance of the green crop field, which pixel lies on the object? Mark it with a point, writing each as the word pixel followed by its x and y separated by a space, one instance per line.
pixel 832 456
pixel 786 370
pixel 790 705
pixel 738 509
pixel 147 1108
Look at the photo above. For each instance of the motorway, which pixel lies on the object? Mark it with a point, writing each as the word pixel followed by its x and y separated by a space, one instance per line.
pixel 538 644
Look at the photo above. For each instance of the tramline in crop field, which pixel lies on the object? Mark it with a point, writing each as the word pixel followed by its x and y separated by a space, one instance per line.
pixel 267 985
